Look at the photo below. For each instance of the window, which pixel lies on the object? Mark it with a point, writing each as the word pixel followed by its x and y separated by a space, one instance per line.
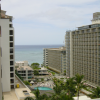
pixel 11 56
pixel 11 69
pixel 11 74
pixel 11 50
pixel 11 32
pixel 11 80
pixel 12 86
pixel 11 44
pixel 11 62
pixel 10 25
pixel 11 38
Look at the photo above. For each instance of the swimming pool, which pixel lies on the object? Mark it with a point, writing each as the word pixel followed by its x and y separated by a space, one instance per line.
pixel 43 88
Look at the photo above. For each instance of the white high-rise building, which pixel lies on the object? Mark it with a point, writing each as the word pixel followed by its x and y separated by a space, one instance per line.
pixel 7 52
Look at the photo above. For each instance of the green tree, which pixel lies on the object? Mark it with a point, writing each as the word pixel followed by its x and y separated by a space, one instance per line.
pixel 79 83
pixel 37 93
pixel 57 88
pixel 95 93
pixel 35 64
pixel 70 86
pixel 26 83
pixel 18 75
pixel 42 79
pixel 64 72
pixel 36 72
pixel 28 98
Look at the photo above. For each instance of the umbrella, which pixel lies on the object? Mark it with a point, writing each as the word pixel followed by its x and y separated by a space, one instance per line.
pixel 31 82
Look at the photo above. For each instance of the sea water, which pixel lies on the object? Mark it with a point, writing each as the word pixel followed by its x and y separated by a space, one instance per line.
pixel 31 53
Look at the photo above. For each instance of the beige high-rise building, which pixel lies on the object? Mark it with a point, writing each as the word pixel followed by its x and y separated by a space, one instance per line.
pixel 55 59
pixel 6 52
pixel 83 51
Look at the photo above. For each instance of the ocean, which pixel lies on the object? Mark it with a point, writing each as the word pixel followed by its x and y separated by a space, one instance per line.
pixel 31 53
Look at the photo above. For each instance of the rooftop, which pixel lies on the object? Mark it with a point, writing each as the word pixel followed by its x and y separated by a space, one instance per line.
pixel 24 68
pixel 3 15
pixel 58 49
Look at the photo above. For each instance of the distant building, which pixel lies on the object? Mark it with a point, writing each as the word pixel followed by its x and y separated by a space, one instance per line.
pixel 21 63
pixel 26 72
pixel 43 71
pixel 55 59
pixel 83 51
pixel 7 58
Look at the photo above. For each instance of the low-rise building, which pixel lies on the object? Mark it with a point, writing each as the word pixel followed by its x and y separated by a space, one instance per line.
pixel 55 59
pixel 43 71
pixel 26 72
pixel 21 63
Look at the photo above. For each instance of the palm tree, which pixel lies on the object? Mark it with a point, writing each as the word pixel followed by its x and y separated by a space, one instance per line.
pixel 37 93
pixel 57 88
pixel 79 83
pixel 70 86
pixel 95 93
pixel 43 97
pixel 28 98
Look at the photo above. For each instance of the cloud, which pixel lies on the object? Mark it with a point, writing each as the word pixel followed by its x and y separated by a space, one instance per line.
pixel 59 14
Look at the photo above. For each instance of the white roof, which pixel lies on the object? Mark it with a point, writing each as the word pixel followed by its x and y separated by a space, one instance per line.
pixel 82 98
pixel 43 68
pixel 24 68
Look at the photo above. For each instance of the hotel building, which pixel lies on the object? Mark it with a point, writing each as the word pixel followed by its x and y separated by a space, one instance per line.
pixel 83 51
pixel 55 59
pixel 7 52
pixel 26 72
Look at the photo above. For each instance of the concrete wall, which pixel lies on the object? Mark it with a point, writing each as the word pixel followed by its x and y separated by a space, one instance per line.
pixel 5 54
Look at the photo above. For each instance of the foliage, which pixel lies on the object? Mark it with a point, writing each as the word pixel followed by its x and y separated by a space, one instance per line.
pixel 36 72
pixel 42 79
pixel 35 64
pixel 37 94
pixel 53 73
pixel 28 98
pixel 18 75
pixel 26 83
pixel 67 90
pixel 95 93
pixel 64 72
pixel 79 83
pixel 70 86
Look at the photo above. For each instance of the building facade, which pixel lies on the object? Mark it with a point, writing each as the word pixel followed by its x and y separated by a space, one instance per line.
pixel 26 72
pixel 21 63
pixel 55 59
pixel 7 51
pixel 84 52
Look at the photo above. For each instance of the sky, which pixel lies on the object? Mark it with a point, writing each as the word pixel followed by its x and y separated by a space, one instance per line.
pixel 43 22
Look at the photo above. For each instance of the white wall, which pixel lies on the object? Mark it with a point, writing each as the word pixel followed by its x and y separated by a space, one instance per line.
pixel 0 74
pixel 5 59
